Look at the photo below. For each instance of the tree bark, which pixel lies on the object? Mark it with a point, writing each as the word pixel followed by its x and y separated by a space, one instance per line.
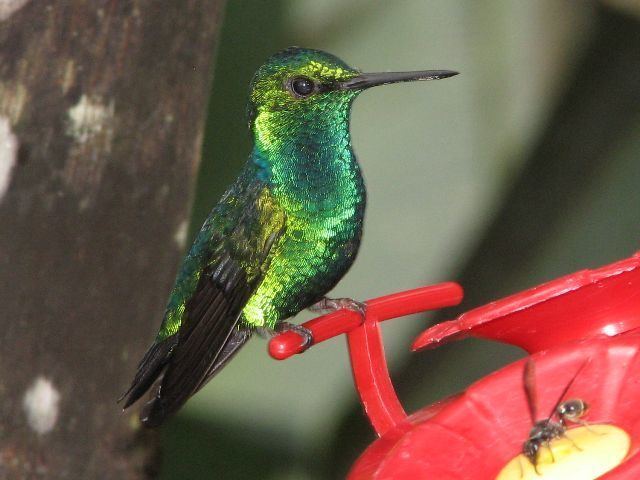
pixel 102 104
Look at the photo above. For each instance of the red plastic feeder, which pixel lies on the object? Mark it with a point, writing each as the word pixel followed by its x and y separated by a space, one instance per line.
pixel 583 323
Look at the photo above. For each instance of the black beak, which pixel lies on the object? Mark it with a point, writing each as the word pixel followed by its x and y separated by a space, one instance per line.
pixel 367 80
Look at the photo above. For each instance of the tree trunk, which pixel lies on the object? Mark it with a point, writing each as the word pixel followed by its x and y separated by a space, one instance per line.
pixel 102 104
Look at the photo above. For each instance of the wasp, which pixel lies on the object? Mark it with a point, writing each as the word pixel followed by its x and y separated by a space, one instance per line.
pixel 548 429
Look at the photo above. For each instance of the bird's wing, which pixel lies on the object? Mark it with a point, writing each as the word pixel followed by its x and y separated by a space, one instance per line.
pixel 208 334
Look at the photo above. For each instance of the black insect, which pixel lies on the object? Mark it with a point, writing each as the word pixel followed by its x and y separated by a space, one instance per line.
pixel 546 430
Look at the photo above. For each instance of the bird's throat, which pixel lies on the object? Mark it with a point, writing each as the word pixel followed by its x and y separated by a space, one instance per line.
pixel 312 169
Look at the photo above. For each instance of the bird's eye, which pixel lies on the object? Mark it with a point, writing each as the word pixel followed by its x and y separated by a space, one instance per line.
pixel 302 86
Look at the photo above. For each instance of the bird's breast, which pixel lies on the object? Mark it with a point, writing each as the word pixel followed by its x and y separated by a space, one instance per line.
pixel 323 199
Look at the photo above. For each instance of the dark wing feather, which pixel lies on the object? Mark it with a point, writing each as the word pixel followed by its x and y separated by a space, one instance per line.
pixel 212 317
pixel 209 334
pixel 236 340
pixel 149 369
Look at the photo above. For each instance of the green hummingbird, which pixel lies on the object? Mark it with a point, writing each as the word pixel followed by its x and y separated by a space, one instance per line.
pixel 283 234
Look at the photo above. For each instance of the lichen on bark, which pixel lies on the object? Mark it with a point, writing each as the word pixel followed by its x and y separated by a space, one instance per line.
pixel 102 107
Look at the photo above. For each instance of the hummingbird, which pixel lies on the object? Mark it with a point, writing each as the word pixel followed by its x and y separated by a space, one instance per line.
pixel 282 235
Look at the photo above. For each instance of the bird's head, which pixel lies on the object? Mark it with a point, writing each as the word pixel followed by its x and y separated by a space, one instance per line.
pixel 303 89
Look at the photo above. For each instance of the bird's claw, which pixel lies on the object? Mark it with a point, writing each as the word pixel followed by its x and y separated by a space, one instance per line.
pixel 333 304
pixel 304 332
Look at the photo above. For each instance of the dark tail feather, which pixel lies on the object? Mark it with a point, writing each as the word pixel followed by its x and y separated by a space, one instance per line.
pixel 166 402
pixel 149 369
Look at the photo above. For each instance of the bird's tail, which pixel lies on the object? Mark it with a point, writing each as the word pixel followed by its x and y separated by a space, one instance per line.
pixel 149 369
pixel 168 399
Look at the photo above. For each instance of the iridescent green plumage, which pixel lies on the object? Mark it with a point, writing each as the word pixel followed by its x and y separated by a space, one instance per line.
pixel 307 172
pixel 283 234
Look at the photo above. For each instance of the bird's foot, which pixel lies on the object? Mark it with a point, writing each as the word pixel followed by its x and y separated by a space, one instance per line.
pixel 299 329
pixel 329 305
